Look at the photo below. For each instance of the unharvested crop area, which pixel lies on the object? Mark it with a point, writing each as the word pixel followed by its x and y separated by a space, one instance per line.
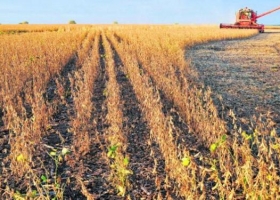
pixel 128 112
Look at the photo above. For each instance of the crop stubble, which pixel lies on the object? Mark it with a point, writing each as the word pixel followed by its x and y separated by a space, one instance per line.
pixel 245 73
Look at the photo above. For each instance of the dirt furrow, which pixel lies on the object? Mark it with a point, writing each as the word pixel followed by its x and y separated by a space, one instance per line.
pixel 63 107
pixel 54 132
pixel 182 138
pixel 55 137
pixel 138 134
pixel 99 97
pixel 89 170
pixel 245 74
pixel 180 128
pixel 58 94
pixel 4 152
pixel 96 168
pixel 140 145
pixel 181 133
pixel 59 134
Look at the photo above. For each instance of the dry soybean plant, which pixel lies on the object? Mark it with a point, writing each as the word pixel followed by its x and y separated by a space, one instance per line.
pixel 64 122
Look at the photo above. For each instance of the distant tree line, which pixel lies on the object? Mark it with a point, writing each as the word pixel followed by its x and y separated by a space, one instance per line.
pixel 24 22
pixel 72 22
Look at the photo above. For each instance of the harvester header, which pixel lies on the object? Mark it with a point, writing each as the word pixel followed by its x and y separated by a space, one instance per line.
pixel 247 19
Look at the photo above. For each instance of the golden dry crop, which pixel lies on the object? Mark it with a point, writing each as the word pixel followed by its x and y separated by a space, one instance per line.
pixel 120 112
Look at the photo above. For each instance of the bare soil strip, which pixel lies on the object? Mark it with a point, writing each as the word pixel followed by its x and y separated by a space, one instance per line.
pixel 245 73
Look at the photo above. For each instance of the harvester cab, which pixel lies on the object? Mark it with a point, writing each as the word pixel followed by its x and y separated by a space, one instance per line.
pixel 245 15
pixel 247 19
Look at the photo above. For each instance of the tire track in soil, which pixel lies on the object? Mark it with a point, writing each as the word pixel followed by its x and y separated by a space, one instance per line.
pixel 97 170
pixel 139 144
pixel 246 75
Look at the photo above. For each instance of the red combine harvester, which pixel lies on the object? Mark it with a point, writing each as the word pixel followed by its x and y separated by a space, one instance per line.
pixel 247 19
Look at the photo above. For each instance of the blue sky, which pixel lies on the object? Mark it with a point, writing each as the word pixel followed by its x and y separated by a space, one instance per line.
pixel 132 11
